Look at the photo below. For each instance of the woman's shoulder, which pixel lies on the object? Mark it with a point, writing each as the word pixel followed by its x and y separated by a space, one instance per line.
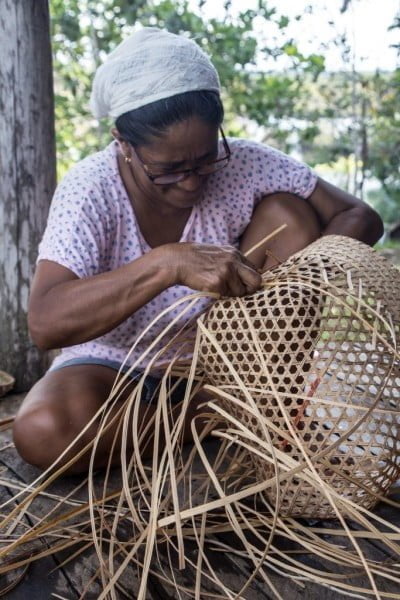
pixel 253 149
pixel 261 158
pixel 93 169
pixel 89 188
pixel 269 170
pixel 91 181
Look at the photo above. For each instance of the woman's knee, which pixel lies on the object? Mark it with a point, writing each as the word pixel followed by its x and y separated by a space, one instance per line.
pixel 56 413
pixel 295 214
pixel 299 217
pixel 42 439
pixel 37 436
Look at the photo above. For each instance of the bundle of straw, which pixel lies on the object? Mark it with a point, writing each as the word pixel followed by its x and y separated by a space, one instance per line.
pixel 302 381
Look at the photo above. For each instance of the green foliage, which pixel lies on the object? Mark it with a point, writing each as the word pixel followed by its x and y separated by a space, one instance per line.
pixel 84 31
pixel 358 115
pixel 346 119
pixel 384 155
pixel 388 245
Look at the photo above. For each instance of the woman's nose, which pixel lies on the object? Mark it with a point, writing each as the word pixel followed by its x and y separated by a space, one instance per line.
pixel 192 182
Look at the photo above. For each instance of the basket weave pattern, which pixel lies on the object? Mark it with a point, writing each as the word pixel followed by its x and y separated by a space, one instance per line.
pixel 317 350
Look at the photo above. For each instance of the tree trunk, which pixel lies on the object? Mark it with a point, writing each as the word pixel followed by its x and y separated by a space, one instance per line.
pixel 27 163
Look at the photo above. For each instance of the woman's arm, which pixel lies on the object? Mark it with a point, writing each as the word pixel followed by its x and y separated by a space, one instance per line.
pixel 328 210
pixel 65 310
pixel 341 213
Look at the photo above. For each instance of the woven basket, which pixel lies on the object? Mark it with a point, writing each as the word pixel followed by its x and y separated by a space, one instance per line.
pixel 7 382
pixel 317 350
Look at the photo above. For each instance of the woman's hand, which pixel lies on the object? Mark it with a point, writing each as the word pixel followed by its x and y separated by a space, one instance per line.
pixel 208 268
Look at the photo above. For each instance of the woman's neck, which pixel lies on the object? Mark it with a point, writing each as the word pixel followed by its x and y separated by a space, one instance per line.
pixel 159 223
pixel 141 200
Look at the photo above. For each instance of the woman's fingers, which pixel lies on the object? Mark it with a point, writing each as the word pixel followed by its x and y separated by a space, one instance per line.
pixel 234 274
pixel 220 269
pixel 251 279
pixel 235 287
pixel 241 281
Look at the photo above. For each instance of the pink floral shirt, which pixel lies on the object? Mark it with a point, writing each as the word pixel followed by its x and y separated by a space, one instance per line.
pixel 92 229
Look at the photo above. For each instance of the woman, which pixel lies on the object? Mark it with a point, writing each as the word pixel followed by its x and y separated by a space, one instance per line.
pixel 170 206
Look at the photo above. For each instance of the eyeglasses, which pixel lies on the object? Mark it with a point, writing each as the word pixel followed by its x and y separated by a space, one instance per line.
pixel 175 177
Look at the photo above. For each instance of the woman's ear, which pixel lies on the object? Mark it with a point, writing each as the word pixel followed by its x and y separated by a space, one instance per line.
pixel 123 144
pixel 116 134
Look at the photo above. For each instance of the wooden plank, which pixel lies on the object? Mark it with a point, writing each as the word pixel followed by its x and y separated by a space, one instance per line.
pixel 40 579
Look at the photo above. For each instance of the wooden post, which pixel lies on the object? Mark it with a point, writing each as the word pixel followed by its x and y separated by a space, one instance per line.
pixel 27 177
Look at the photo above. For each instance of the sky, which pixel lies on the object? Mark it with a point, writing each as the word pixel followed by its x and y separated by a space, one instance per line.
pixel 365 23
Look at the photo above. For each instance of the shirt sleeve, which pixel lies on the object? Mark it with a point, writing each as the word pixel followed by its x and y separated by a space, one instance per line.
pixel 74 234
pixel 274 171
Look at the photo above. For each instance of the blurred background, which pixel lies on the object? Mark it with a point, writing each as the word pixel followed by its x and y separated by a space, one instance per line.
pixel 319 80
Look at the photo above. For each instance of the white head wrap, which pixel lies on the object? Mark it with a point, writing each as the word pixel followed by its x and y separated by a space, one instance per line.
pixel 150 65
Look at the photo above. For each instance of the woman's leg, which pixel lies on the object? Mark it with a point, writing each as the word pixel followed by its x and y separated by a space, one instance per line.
pixel 302 228
pixel 60 405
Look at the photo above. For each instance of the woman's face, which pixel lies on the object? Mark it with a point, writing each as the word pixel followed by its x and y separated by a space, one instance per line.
pixel 186 145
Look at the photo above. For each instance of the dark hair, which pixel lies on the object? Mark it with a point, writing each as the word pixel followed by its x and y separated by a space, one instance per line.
pixel 152 120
